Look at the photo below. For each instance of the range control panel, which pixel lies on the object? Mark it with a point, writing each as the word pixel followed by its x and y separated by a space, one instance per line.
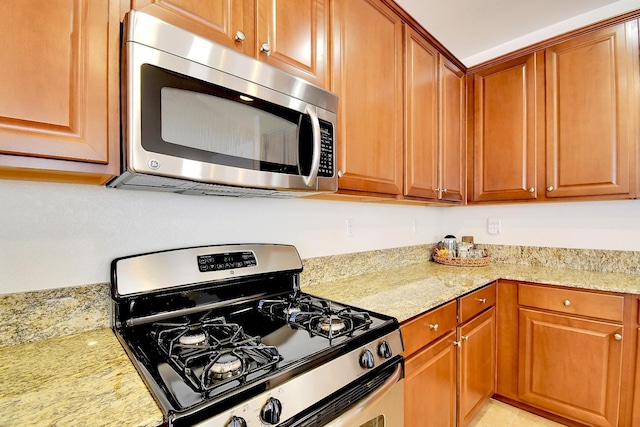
pixel 226 261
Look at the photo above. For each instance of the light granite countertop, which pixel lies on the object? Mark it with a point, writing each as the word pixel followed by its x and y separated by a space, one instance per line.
pixel 410 290
pixel 87 378
pixel 78 380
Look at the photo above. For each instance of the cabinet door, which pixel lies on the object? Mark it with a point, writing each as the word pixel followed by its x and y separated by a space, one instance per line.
pixel 421 117
pixel 367 76
pixel 636 388
pixel 228 22
pixel 505 129
pixel 430 385
pixel 292 36
pixel 477 364
pixel 570 366
pixel 452 132
pixel 59 90
pixel 591 86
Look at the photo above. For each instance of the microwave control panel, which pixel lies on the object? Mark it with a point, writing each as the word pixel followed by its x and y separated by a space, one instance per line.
pixel 326 149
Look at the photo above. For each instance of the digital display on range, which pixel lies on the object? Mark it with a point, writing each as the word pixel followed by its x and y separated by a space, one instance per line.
pixel 226 261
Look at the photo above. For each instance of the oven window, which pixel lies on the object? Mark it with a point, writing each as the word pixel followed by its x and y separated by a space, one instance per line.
pixel 218 125
pixel 376 422
pixel 195 120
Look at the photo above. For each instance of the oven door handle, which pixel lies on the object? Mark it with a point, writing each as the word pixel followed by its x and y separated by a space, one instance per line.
pixel 317 146
pixel 346 419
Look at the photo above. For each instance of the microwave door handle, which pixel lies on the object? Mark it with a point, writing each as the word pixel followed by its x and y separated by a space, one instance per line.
pixel 315 158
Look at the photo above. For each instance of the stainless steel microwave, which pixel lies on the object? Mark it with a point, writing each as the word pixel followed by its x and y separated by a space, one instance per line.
pixel 201 118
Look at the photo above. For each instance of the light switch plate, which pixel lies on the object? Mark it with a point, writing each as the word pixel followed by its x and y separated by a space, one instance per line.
pixel 494 225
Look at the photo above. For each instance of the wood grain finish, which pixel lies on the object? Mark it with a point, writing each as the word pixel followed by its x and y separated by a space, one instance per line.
pixel 570 366
pixel 430 385
pixel 218 20
pixel 570 301
pixel 367 76
pixel 477 365
pixel 452 132
pixel 505 130
pixel 59 91
pixel 428 327
pixel 472 304
pixel 591 126
pixel 507 339
pixel 421 117
pixel 296 32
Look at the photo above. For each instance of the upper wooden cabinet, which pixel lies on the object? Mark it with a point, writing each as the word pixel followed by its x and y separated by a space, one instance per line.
pixel 288 34
pixel 506 98
pixel 367 76
pixel 560 123
pixel 434 123
pixel 591 89
pixel 59 101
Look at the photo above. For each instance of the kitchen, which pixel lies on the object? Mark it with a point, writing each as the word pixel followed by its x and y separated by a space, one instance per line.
pixel 74 231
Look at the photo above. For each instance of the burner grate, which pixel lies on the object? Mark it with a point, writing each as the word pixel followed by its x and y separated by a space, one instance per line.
pixel 212 352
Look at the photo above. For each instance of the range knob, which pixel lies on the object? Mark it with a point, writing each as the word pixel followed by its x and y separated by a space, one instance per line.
pixel 384 350
pixel 236 422
pixel 366 360
pixel 271 411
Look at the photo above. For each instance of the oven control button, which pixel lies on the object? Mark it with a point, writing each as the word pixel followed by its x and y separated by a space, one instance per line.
pixel 366 359
pixel 384 350
pixel 236 422
pixel 271 411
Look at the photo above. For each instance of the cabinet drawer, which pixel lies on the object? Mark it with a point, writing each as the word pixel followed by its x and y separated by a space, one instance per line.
pixel 601 306
pixel 477 301
pixel 421 331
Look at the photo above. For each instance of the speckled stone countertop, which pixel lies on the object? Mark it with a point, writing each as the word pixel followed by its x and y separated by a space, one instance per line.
pixel 78 380
pixel 410 290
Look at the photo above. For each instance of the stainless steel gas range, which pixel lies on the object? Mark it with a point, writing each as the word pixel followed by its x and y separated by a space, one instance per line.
pixel 223 336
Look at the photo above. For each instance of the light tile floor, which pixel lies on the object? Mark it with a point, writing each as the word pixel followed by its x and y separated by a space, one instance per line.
pixel 498 414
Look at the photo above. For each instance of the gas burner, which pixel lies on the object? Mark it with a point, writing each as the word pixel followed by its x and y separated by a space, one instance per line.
pixel 288 311
pixel 331 325
pixel 225 366
pixel 193 338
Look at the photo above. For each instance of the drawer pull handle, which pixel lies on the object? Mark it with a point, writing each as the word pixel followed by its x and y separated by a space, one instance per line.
pixel 465 338
pixel 482 300
pixel 566 303
pixel 434 327
pixel 617 337
pixel 457 343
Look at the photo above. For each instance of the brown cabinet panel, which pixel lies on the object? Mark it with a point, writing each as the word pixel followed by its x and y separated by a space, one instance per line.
pixel 591 83
pixel 367 76
pixel 505 130
pixel 571 301
pixel 419 332
pixel 421 117
pixel 452 132
pixel 507 339
pixel 295 31
pixel 218 20
pixel 475 302
pixel 477 364
pixel 59 90
pixel 571 366
pixel 430 385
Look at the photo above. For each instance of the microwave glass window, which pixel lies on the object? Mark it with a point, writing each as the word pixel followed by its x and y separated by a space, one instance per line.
pixel 218 125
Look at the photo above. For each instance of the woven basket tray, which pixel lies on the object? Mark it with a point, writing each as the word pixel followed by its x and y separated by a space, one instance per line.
pixel 462 262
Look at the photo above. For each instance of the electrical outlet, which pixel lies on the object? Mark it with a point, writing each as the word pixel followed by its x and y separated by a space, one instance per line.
pixel 494 225
pixel 349 227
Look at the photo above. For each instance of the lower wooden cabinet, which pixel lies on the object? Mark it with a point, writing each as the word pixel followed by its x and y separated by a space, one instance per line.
pixel 430 385
pixel 450 367
pixel 477 364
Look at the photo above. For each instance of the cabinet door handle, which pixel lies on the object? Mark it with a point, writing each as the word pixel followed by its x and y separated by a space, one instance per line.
pixel 340 174
pixel 550 188
pixel 617 337
pixel 464 338
pixel 482 300
pixel 457 343
pixel 265 48
pixel 531 190
pixel 434 327
pixel 240 37
pixel 566 303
